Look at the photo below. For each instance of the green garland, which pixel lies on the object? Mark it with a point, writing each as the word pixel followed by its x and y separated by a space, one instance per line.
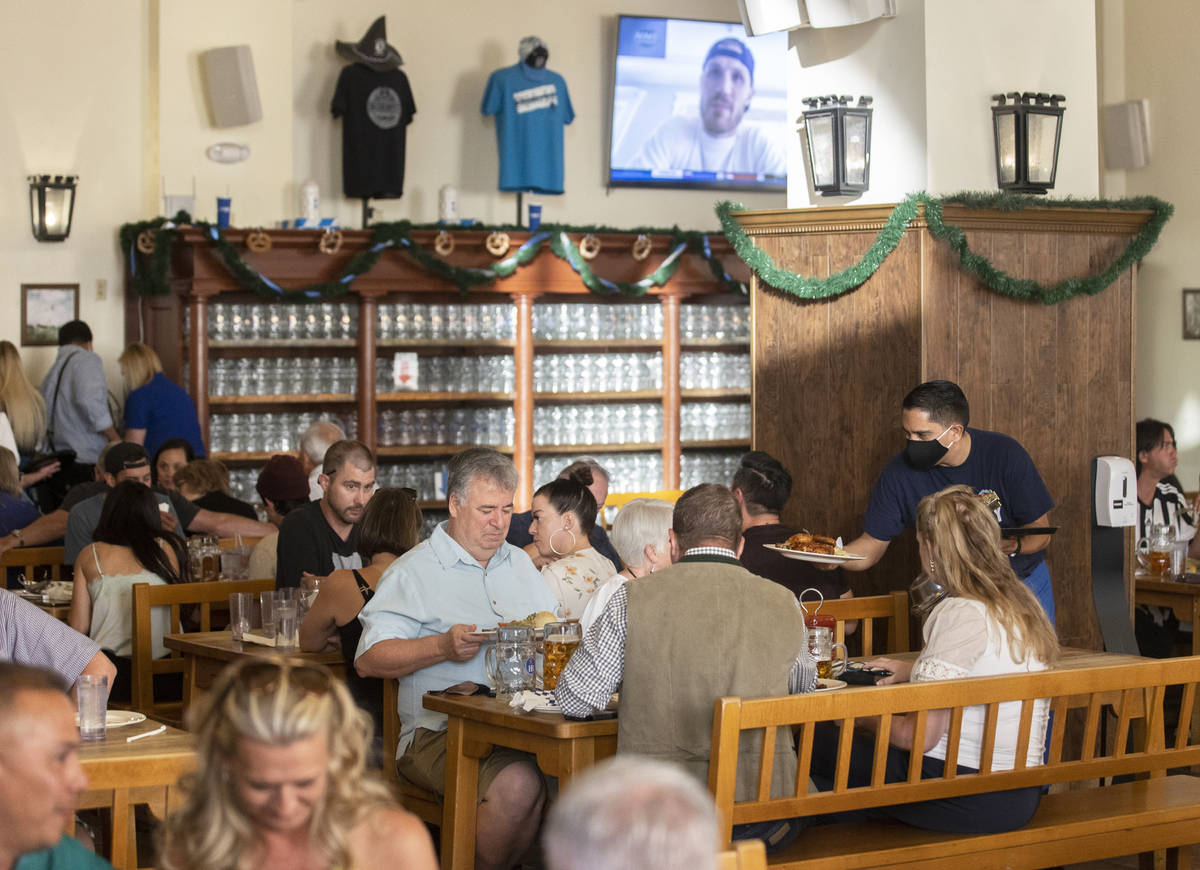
pixel 148 273
pixel 977 265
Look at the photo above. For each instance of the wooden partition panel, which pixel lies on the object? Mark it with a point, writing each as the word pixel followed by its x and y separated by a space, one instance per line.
pixel 829 376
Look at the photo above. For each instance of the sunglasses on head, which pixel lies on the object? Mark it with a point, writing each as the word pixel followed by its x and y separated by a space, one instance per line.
pixel 264 676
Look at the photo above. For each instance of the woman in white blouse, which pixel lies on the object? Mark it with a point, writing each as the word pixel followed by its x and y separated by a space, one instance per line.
pixel 564 512
pixel 988 623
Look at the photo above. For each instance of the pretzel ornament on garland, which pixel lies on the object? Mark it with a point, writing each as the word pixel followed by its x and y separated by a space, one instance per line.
pixel 258 241
pixel 444 244
pixel 145 241
pixel 497 244
pixel 589 247
pixel 641 247
pixel 330 242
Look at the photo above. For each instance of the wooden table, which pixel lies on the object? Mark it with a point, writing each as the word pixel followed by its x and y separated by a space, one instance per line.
pixel 61 612
pixel 121 774
pixel 210 652
pixel 476 725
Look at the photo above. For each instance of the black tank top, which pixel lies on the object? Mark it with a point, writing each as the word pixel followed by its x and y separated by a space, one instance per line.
pixel 367 691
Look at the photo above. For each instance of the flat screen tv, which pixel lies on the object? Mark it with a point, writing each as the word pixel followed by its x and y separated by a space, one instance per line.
pixel 698 104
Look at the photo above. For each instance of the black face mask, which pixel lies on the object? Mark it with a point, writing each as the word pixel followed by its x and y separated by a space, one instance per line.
pixel 924 455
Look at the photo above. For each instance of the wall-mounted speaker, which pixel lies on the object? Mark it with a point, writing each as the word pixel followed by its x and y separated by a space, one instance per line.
pixel 1125 131
pixel 230 86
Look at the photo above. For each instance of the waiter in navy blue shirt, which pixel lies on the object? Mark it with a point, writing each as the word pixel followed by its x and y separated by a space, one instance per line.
pixel 941 451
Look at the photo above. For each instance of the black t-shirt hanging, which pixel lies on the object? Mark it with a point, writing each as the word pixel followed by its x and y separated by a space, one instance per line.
pixel 376 108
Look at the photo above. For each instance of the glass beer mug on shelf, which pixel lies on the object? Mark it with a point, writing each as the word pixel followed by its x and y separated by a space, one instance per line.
pixel 1154 550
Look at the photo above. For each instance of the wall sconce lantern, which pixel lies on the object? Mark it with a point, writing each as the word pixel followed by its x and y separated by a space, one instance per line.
pixel 51 206
pixel 839 144
pixel 1028 127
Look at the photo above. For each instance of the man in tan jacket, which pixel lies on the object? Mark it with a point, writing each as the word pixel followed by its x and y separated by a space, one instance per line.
pixel 677 640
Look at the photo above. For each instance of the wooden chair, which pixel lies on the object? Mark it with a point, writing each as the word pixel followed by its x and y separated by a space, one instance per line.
pixel 40 563
pixel 619 499
pixel 745 855
pixel 425 805
pixel 174 596
pixel 892 607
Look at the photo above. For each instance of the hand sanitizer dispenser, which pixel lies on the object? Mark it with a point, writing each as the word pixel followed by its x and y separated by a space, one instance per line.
pixel 1116 492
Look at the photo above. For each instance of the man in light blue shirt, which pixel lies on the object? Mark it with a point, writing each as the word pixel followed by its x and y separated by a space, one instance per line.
pixel 76 395
pixel 418 629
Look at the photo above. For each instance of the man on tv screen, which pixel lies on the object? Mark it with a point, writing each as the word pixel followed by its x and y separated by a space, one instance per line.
pixel 717 140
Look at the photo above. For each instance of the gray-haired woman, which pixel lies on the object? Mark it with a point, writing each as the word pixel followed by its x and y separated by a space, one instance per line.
pixel 640 537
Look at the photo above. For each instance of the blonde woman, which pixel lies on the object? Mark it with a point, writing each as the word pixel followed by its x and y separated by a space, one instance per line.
pixel 280 782
pixel 564 513
pixel 22 408
pixel 156 408
pixel 988 623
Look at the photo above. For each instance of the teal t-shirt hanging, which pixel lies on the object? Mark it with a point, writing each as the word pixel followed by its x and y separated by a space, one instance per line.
pixel 531 107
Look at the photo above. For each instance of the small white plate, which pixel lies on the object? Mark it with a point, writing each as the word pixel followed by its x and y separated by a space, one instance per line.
pixel 828 685
pixel 119 718
pixel 820 558
pixel 484 636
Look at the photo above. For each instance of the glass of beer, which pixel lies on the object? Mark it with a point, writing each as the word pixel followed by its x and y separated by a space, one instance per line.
pixel 1154 550
pixel 821 645
pixel 560 641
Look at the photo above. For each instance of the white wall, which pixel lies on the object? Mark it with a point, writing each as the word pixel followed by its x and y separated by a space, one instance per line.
pixel 72 100
pixel 882 59
pixel 449 50
pixel 932 71
pixel 977 48
pixel 1161 65
pixel 261 187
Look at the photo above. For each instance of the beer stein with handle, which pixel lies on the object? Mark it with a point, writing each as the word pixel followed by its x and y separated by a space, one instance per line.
pixel 510 662
pixel 1154 550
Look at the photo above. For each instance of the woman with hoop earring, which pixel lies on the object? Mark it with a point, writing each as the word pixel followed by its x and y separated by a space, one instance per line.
pixel 564 512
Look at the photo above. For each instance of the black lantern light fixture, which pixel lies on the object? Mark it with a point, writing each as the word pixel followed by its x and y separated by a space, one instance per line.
pixel 1028 127
pixel 51 206
pixel 839 144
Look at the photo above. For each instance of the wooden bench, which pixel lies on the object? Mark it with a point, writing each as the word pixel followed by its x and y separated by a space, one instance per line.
pixel 1156 811
pixel 175 596
pixel 893 608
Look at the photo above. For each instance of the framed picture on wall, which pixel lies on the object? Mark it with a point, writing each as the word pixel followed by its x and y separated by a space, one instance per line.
pixel 46 307
pixel 1191 314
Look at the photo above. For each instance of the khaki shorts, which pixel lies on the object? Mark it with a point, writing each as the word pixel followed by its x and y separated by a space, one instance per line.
pixel 424 762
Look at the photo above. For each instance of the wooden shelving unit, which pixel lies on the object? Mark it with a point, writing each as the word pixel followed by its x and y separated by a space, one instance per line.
pixel 200 279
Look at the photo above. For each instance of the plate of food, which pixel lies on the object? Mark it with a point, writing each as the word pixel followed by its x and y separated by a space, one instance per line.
pixel 118 718
pixel 827 684
pixel 807 547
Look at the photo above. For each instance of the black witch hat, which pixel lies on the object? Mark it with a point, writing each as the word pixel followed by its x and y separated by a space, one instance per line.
pixel 373 49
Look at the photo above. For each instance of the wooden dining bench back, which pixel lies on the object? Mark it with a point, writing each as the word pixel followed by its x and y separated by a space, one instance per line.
pixel 175 596
pixel 891 608
pixel 36 563
pixel 743 855
pixel 426 805
pixel 1071 826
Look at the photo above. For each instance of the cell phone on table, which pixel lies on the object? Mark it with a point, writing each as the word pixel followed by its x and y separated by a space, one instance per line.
pixel 859 674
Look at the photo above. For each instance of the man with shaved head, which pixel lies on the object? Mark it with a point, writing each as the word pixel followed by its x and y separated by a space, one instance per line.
pixel 40 774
